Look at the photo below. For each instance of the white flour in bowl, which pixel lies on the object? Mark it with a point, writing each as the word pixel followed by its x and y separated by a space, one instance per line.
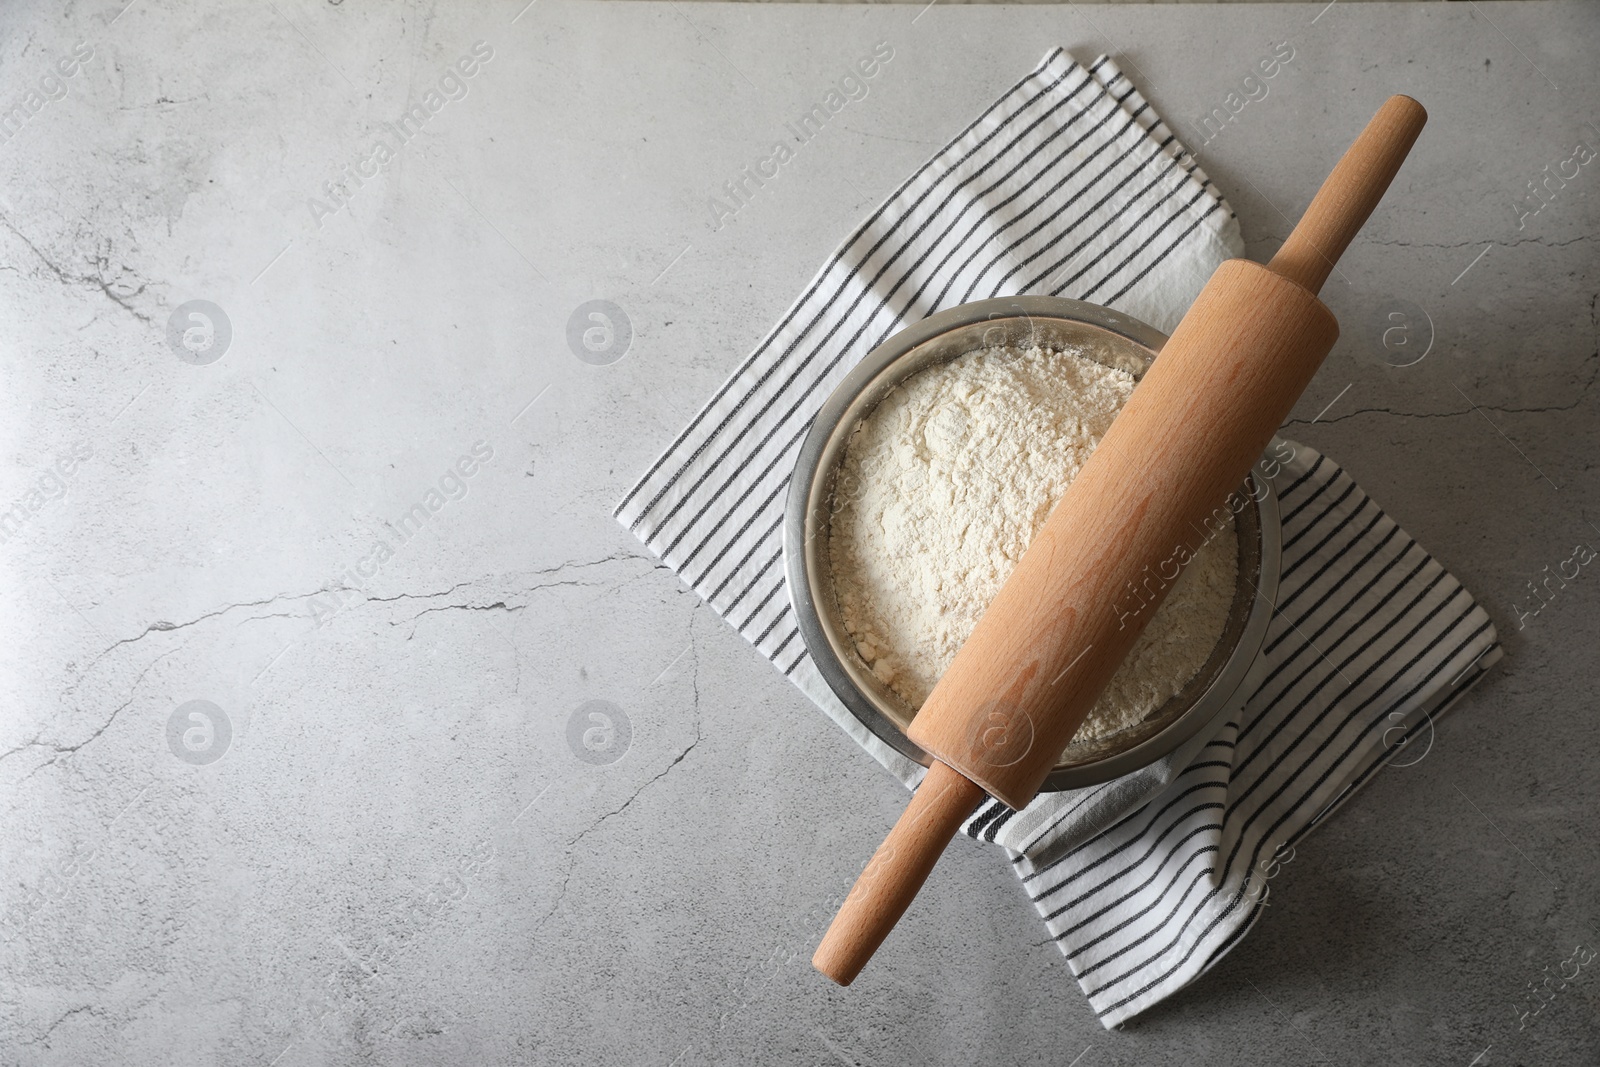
pixel 941 490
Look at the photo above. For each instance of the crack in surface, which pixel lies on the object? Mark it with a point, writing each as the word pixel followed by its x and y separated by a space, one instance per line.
pixel 1430 414
pixel 44 1038
pixel 498 605
pixel 63 751
pixel 1543 242
pixel 694 675
pixel 165 626
pixel 1582 395
pixel 97 281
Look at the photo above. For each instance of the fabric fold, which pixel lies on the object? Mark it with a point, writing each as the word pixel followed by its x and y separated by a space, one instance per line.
pixel 1070 184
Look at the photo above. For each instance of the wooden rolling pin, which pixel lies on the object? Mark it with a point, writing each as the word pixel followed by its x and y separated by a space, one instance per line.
pixel 1061 625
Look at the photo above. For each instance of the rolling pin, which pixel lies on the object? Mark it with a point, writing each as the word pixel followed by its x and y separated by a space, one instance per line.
pixel 1018 689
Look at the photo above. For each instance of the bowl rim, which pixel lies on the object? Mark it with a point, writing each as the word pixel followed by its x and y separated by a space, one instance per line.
pixel 807 503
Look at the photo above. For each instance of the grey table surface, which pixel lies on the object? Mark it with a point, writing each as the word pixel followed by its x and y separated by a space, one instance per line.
pixel 378 842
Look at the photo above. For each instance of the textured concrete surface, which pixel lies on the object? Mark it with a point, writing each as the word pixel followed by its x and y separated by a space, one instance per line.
pixel 397 833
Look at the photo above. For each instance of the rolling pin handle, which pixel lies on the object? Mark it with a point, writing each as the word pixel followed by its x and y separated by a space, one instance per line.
pixel 896 871
pixel 1350 194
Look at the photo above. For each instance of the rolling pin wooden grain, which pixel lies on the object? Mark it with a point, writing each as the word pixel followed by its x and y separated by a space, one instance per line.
pixel 1061 625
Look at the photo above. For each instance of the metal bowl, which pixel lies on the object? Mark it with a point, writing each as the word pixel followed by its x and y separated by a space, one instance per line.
pixel 1107 337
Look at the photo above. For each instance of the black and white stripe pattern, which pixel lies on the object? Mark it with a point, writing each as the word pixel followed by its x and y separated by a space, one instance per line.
pixel 1070 184
pixel 1370 641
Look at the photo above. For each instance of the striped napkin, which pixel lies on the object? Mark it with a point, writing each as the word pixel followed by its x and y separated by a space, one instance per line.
pixel 1070 184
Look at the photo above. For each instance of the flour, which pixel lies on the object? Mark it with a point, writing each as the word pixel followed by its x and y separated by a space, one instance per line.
pixel 943 487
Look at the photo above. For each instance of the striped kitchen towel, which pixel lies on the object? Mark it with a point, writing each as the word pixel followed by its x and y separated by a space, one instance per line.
pixel 1371 641
pixel 1069 184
